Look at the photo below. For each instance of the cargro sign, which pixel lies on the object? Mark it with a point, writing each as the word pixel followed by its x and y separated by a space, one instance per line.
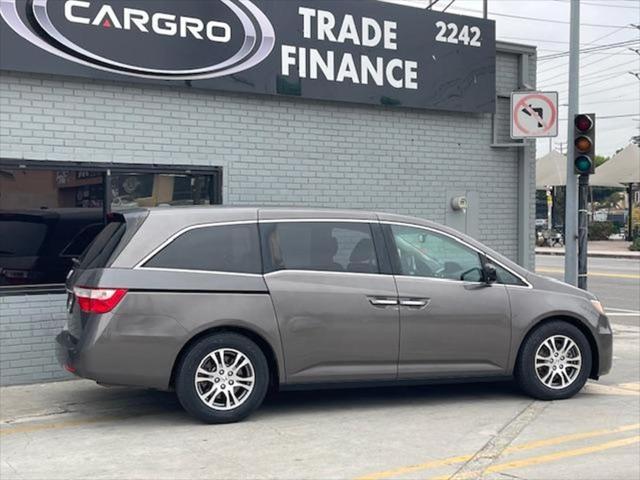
pixel 363 51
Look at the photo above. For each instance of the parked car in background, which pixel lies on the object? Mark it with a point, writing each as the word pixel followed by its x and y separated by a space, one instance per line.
pixel 221 304
pixel 37 247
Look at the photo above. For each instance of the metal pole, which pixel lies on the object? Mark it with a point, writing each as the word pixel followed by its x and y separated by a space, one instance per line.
pixel 630 219
pixel 571 195
pixel 549 208
pixel 485 8
pixel 106 198
pixel 583 231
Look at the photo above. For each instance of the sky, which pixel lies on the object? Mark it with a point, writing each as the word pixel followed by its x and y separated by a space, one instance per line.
pixel 606 86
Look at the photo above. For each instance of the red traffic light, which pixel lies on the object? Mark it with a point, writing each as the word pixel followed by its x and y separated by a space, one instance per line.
pixel 584 123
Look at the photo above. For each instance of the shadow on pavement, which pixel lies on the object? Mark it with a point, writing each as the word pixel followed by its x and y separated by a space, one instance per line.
pixel 388 397
pixel 85 398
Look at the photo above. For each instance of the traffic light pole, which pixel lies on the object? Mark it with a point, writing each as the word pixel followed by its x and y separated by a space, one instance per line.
pixel 583 230
pixel 571 198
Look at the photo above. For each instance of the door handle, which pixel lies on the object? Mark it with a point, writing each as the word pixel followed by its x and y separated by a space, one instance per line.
pixel 383 301
pixel 415 302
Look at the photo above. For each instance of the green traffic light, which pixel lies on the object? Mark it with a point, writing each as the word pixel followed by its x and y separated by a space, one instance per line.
pixel 582 164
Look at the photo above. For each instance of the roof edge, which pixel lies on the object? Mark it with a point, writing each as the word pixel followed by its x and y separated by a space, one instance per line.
pixel 511 47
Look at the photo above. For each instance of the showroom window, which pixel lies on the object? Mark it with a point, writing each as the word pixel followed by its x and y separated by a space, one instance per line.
pixel 51 212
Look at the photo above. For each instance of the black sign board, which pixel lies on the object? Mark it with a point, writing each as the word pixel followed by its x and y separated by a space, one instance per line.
pixel 364 51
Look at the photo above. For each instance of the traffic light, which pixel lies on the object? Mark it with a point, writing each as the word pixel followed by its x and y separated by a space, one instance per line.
pixel 584 135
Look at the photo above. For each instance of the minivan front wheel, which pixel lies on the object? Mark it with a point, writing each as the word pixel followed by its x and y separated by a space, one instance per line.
pixel 222 378
pixel 555 361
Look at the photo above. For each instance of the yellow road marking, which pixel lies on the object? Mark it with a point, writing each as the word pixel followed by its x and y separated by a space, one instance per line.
pixel 551 457
pixel 599 389
pixel 635 386
pixel 571 437
pixel 516 448
pixel 417 467
pixel 27 428
pixel 631 276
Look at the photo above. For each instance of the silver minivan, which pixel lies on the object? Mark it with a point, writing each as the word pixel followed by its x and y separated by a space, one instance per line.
pixel 222 304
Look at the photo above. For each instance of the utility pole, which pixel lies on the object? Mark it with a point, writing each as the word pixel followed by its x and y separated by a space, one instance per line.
pixel 571 195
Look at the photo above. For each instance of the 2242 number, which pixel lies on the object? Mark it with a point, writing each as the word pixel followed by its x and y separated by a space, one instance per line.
pixel 450 33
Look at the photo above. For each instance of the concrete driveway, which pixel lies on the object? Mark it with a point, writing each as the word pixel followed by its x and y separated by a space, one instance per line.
pixel 76 429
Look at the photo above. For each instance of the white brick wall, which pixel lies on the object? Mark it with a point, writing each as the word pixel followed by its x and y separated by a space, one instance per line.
pixel 272 150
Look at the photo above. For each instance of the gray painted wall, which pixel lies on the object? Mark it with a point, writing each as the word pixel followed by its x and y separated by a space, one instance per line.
pixel 272 150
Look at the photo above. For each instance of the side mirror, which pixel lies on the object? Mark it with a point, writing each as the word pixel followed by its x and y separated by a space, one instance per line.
pixel 474 274
pixel 490 273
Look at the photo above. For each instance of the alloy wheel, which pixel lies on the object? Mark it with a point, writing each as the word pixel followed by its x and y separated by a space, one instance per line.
pixel 225 379
pixel 558 361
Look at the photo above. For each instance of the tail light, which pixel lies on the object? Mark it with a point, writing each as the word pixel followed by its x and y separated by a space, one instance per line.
pixel 98 300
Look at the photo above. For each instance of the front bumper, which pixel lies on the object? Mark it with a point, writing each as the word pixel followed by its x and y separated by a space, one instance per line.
pixel 605 344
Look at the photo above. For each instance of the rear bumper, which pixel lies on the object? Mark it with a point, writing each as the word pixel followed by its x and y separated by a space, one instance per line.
pixel 66 351
pixel 134 350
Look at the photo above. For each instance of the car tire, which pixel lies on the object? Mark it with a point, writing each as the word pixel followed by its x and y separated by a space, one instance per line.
pixel 208 394
pixel 547 367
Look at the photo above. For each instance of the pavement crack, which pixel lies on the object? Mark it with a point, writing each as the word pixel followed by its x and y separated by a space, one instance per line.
pixel 8 464
pixel 487 455
pixel 37 416
pixel 508 475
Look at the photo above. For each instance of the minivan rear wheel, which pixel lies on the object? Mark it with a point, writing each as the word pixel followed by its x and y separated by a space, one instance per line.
pixel 222 378
pixel 554 362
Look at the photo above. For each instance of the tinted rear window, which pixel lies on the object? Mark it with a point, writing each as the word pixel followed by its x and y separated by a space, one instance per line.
pixel 82 240
pixel 323 246
pixel 99 251
pixel 225 248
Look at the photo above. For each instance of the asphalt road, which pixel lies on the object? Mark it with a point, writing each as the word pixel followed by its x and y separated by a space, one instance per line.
pixel 78 430
pixel 615 281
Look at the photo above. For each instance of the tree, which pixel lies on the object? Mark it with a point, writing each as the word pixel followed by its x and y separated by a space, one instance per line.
pixel 600 159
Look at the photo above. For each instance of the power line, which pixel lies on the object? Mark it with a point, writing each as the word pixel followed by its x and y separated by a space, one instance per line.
pixel 530 39
pixel 582 67
pixel 606 35
pixel 606 46
pixel 608 117
pixel 609 88
pixel 624 115
pixel 611 101
pixel 624 54
pixel 547 20
pixel 450 3
pixel 563 92
pixel 600 4
pixel 544 72
pixel 587 77
pixel 605 79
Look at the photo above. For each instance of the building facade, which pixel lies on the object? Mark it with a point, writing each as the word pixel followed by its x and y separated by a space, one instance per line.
pixel 74 149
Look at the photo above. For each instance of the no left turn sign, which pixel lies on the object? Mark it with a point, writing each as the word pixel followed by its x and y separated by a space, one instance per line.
pixel 534 114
